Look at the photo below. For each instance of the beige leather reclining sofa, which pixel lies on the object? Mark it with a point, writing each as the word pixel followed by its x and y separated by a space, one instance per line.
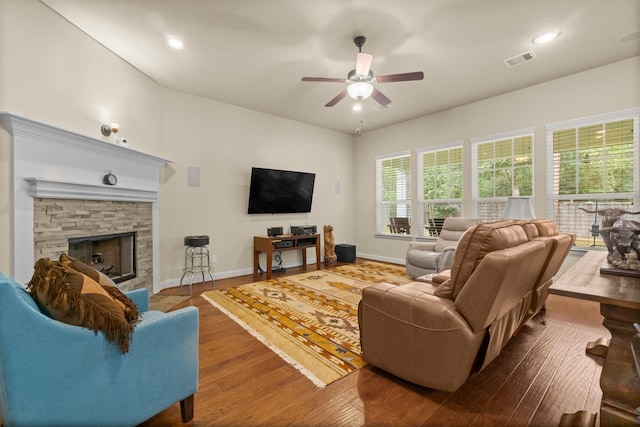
pixel 437 334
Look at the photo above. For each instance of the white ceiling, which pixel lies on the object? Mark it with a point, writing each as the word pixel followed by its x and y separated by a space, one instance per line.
pixel 252 53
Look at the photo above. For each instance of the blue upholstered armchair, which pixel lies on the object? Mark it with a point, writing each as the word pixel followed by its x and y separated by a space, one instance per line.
pixel 56 374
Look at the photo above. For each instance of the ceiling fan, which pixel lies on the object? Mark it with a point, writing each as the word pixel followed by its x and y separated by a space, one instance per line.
pixel 361 79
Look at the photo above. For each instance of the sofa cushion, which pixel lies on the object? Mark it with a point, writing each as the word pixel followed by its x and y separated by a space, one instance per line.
pixel 546 227
pixel 530 229
pixel 128 307
pixel 71 297
pixel 479 241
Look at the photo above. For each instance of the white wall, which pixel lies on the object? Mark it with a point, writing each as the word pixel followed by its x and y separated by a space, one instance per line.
pixel 226 141
pixel 53 73
pixel 601 90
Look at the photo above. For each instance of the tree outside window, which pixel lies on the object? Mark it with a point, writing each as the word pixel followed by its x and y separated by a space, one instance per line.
pixel 504 168
pixel 442 175
pixel 592 164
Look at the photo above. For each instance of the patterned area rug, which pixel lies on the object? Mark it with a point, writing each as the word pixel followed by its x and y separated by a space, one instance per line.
pixel 309 319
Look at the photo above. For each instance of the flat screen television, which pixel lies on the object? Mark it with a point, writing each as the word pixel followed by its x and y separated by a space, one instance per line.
pixel 275 191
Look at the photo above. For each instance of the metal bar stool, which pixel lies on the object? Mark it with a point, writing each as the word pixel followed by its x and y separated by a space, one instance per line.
pixel 196 259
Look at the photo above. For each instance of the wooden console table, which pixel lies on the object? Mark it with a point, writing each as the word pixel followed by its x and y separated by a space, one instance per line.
pixel 619 298
pixel 269 245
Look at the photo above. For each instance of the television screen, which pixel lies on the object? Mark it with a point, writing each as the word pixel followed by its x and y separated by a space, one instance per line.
pixel 278 191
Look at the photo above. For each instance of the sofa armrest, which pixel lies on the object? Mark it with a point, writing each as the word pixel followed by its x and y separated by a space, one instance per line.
pixel 140 297
pixel 442 277
pixel 414 304
pixel 417 336
pixel 422 246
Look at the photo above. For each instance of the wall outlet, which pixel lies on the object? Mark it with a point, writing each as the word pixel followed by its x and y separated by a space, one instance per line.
pixel 214 258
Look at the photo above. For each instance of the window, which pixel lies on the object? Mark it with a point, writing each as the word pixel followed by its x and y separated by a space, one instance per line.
pixel 440 187
pixel 503 167
pixel 593 165
pixel 393 188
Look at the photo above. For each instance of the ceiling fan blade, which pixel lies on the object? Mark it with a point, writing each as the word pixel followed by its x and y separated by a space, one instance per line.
pixel 403 77
pixel 322 79
pixel 363 63
pixel 380 97
pixel 337 99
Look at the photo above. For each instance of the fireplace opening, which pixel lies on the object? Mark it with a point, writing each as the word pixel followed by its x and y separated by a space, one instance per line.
pixel 112 254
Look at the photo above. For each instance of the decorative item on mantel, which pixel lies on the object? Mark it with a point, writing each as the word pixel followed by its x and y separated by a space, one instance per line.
pixel 622 238
pixel 330 257
pixel 107 130
pixel 114 128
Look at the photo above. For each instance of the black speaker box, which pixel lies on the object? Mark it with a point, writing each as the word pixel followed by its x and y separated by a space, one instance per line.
pixel 346 253
pixel 274 231
pixel 297 230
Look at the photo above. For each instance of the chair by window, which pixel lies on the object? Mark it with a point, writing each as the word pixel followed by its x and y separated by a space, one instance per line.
pixel 434 257
pixel 399 225
pixel 434 226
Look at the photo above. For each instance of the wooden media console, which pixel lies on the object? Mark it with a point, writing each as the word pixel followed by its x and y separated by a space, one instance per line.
pixel 269 245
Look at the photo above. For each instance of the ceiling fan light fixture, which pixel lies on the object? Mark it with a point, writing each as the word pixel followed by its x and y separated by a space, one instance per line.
pixel 360 90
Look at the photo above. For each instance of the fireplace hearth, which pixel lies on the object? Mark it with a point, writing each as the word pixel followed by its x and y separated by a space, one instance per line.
pixel 111 254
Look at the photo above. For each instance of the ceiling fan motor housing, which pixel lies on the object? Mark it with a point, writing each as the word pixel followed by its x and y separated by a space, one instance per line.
pixel 353 77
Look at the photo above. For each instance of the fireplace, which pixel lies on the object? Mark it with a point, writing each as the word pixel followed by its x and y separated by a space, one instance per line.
pixel 57 194
pixel 94 231
pixel 111 254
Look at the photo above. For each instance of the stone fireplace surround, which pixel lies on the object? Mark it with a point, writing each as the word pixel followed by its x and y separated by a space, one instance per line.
pixel 58 220
pixel 51 163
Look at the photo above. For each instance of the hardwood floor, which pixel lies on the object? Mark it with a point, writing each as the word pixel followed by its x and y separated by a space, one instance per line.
pixel 542 373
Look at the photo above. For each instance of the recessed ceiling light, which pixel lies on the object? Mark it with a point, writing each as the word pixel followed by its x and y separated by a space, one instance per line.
pixel 546 37
pixel 175 43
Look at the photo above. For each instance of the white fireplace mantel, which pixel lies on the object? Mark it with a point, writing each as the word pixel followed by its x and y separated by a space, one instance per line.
pixel 39 187
pixel 48 162
pixel 72 142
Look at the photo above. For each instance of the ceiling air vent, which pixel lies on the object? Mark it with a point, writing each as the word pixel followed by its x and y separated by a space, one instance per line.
pixel 520 59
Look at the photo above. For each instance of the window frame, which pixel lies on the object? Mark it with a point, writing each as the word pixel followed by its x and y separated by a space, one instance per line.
pixel 600 119
pixel 475 142
pixel 382 222
pixel 421 201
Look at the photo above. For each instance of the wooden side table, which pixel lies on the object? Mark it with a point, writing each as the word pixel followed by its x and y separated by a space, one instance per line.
pixel 619 298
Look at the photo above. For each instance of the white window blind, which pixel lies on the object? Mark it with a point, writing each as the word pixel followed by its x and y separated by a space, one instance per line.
pixel 393 183
pixel 503 167
pixel 440 186
pixel 593 165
